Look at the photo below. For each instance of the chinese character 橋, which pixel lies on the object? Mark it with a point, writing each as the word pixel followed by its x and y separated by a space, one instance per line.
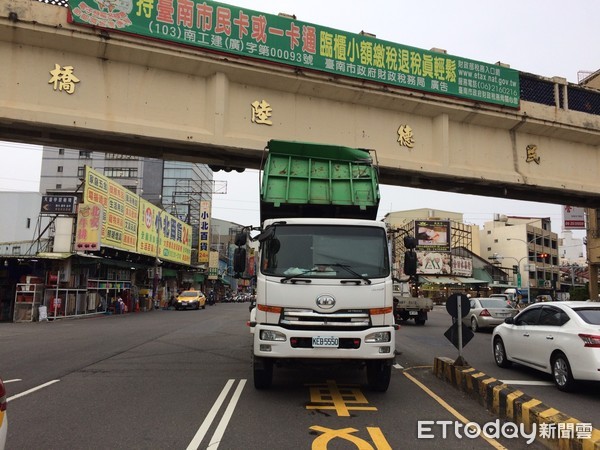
pixel 63 79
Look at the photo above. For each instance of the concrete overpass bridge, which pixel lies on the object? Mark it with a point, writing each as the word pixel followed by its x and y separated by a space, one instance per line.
pixel 68 84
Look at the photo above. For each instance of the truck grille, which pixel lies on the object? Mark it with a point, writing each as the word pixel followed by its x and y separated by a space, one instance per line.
pixel 309 319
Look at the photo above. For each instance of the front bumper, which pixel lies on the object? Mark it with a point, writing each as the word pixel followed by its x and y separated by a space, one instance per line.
pixel 285 349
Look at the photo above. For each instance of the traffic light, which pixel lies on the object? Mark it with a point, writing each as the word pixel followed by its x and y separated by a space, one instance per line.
pixel 543 255
pixel 515 269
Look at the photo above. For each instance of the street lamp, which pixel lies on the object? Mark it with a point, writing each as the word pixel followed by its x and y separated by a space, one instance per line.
pixel 498 257
pixel 527 256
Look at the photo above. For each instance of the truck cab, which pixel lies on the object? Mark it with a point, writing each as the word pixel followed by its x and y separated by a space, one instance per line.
pixel 324 292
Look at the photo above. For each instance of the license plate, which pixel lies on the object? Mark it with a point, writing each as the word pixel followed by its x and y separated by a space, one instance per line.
pixel 325 341
pixel 413 313
pixel 183 303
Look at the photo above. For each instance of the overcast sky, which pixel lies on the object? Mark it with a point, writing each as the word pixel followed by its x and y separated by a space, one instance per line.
pixel 548 38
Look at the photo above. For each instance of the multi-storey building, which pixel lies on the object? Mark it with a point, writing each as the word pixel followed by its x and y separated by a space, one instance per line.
pixel 528 245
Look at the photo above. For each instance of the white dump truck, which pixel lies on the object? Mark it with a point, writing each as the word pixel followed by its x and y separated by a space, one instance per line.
pixel 324 289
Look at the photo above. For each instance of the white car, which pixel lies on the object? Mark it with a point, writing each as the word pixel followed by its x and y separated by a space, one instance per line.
pixel 3 417
pixel 560 338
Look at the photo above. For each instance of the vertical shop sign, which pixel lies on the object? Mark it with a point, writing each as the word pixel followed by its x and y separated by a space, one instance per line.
pixel 89 223
pixel 213 265
pixel 204 231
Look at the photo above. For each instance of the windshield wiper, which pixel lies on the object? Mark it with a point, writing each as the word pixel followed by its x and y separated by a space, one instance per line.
pixel 297 275
pixel 348 269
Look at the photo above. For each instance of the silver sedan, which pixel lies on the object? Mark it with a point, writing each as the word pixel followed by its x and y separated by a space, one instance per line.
pixel 488 312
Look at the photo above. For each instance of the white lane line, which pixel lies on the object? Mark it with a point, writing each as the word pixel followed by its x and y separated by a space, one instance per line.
pixel 197 440
pixel 528 382
pixel 12 381
pixel 218 435
pixel 41 386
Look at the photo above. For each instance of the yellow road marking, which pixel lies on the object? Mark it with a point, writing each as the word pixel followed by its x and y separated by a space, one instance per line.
pixel 451 410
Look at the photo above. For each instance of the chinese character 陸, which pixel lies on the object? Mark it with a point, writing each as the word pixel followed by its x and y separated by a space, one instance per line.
pixel 261 111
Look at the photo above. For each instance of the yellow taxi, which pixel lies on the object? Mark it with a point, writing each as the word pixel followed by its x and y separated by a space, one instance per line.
pixel 190 299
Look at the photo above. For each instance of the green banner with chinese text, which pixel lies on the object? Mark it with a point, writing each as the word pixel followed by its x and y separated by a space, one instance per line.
pixel 240 31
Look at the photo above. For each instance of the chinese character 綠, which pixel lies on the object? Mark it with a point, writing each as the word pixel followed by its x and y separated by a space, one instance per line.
pixel 63 79
pixel 405 136
pixel 261 111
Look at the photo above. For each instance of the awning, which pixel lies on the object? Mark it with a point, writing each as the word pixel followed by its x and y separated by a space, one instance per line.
pixel 468 280
pixel 50 255
pixel 432 279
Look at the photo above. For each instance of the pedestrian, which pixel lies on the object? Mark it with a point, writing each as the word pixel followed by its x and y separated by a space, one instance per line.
pixel 120 305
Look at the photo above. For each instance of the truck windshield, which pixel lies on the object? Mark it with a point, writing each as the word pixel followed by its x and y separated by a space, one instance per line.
pixel 326 251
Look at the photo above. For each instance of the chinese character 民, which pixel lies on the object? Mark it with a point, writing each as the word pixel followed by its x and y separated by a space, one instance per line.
pixel 405 136
pixel 63 79
pixel 532 154
pixel 261 111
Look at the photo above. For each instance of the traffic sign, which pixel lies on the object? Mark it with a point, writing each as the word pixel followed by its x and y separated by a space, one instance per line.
pixel 452 334
pixel 452 305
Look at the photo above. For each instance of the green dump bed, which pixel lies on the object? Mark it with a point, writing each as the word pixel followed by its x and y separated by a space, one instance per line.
pixel 313 180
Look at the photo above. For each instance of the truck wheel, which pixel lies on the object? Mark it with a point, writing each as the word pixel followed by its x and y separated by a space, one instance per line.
pixel 378 375
pixel 263 373
pixel 420 321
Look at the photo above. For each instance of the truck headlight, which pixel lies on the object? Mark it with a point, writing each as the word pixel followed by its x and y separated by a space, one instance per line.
pixel 270 335
pixel 380 336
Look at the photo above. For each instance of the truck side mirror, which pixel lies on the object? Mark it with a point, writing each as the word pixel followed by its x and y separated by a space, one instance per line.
pixel 410 242
pixel 410 263
pixel 239 260
pixel 241 239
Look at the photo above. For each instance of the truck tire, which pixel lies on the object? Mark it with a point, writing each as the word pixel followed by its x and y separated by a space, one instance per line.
pixel 420 321
pixel 379 374
pixel 263 373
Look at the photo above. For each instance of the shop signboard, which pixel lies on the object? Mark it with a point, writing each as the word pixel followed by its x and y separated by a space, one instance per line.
pixel 162 235
pixel 573 218
pixel 462 266
pixel 213 266
pixel 433 263
pixel 89 225
pixel 283 40
pixel 433 235
pixel 120 210
pixel 131 223
pixel 204 231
